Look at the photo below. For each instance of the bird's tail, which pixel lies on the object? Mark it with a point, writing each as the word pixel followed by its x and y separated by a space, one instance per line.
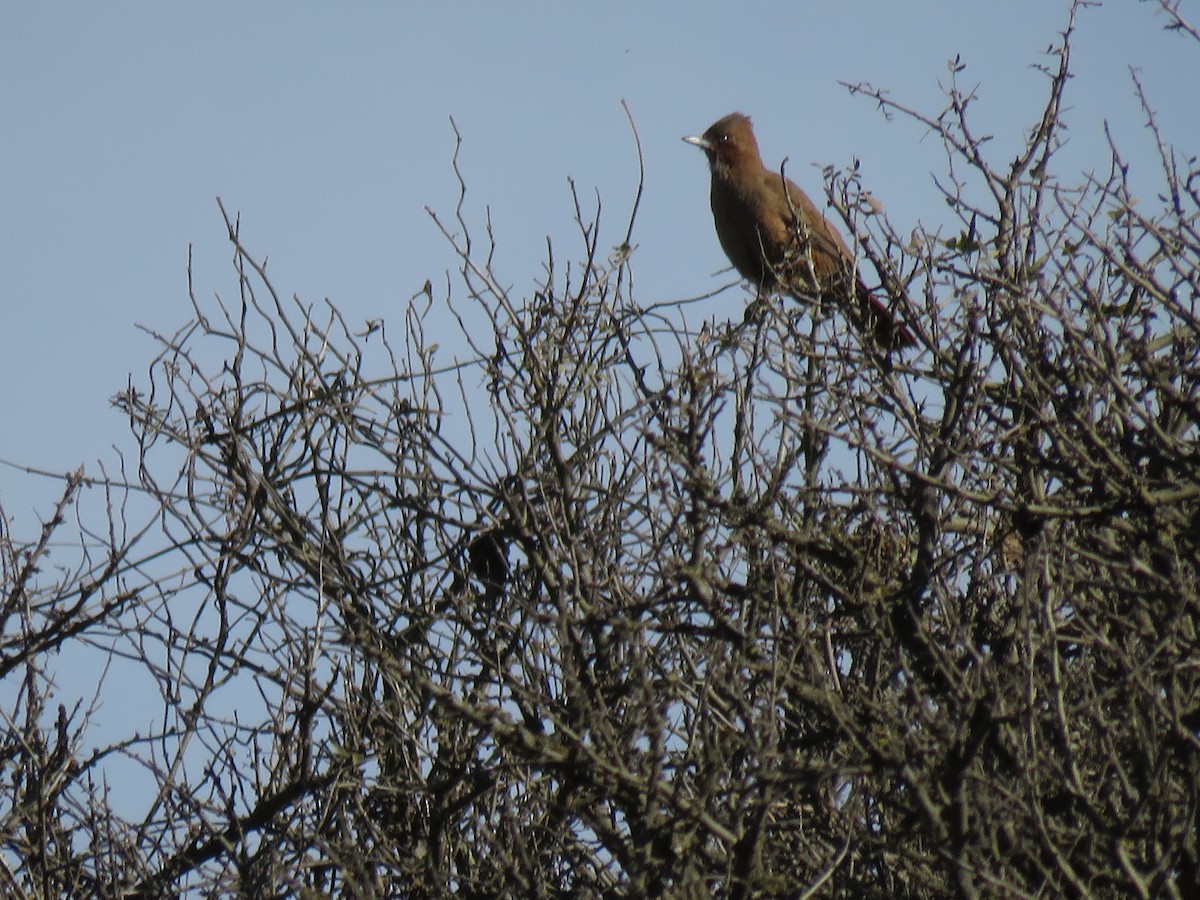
pixel 881 322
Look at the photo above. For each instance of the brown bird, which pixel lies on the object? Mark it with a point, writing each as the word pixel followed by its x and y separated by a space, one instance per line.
pixel 777 238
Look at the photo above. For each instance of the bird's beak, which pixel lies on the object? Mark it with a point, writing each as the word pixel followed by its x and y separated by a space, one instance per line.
pixel 700 142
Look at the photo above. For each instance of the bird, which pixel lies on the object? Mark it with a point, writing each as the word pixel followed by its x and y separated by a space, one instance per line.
pixel 776 237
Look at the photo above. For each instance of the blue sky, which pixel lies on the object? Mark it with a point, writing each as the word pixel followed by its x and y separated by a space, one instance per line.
pixel 327 127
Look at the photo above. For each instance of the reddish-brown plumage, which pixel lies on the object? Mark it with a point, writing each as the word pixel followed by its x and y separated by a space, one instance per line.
pixel 777 238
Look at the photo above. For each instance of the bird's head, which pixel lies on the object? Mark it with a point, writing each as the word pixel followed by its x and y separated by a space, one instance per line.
pixel 728 142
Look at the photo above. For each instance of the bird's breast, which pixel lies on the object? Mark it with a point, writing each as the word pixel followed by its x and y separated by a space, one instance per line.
pixel 738 221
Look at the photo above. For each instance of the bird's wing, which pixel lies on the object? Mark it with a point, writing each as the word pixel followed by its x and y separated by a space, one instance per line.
pixel 831 257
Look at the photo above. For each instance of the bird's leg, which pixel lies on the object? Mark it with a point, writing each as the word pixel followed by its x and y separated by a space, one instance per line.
pixel 756 308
